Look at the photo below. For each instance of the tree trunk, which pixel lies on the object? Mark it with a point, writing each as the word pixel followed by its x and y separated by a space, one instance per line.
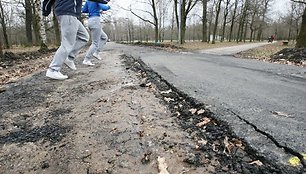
pixel 186 7
pixel 56 30
pixel 183 22
pixel 233 21
pixel 226 11
pixel 216 21
pixel 1 49
pixel 264 12
pixel 28 22
pixel 41 32
pixel 204 21
pixel 301 40
pixel 156 24
pixel 3 24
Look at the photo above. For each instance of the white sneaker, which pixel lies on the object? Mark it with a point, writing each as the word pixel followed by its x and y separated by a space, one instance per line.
pixel 55 75
pixel 96 55
pixel 70 64
pixel 88 62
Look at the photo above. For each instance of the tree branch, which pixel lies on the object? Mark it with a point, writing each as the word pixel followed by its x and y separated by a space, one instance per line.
pixel 299 1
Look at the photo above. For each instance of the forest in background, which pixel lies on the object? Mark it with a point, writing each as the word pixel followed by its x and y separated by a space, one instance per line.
pixel 161 21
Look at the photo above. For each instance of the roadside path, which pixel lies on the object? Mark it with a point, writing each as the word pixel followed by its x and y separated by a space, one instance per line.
pixel 232 49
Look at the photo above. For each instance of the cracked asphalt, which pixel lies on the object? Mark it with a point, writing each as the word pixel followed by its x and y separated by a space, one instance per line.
pixel 264 103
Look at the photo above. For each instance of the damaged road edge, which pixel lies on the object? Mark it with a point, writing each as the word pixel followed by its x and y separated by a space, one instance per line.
pixel 188 121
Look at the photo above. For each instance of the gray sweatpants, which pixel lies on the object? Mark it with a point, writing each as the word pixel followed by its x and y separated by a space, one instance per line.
pixel 73 37
pixel 98 37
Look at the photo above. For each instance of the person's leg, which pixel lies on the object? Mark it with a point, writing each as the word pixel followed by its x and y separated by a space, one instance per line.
pixel 69 30
pixel 103 40
pixel 82 37
pixel 93 24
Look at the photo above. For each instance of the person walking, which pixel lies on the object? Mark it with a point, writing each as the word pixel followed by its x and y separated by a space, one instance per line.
pixel 99 37
pixel 74 35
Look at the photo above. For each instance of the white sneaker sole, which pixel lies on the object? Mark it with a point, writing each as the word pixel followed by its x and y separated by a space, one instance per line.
pixel 57 78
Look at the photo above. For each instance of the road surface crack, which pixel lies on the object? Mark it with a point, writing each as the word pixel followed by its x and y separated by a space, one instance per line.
pixel 270 137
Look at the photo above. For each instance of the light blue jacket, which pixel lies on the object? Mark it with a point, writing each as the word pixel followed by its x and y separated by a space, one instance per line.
pixel 94 8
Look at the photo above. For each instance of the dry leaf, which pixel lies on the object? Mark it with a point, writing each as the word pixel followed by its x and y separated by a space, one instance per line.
pixel 228 146
pixel 168 99
pixel 162 166
pixel 201 111
pixel 202 142
pixel 257 162
pixel 166 92
pixel 148 84
pixel 238 143
pixel 204 122
pixel 280 114
pixel 193 111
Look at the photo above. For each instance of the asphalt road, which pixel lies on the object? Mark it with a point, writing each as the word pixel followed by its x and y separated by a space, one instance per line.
pixel 264 103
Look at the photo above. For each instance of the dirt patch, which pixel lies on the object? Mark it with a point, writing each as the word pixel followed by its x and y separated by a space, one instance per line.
pixel 16 65
pixel 277 53
pixel 296 56
pixel 162 46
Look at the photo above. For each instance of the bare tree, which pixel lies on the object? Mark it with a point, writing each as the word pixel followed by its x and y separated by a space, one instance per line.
pixel 3 24
pixel 153 14
pixel 56 30
pixel 233 20
pixel 265 6
pixel 40 32
pixel 254 18
pixel 218 9
pixel 204 21
pixel 301 39
pixel 28 21
pixel 185 8
pixel 226 13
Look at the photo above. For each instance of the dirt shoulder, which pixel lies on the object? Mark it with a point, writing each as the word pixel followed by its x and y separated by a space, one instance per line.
pixel 277 53
pixel 116 117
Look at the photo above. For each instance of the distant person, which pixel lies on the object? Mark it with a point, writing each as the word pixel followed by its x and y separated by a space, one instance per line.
pixel 73 34
pixel 99 38
pixel 272 38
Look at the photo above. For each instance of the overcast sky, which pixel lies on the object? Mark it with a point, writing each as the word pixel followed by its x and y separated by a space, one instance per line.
pixel 278 7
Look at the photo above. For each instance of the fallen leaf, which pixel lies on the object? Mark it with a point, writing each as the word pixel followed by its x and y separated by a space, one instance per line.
pixel 168 99
pixel 193 111
pixel 166 92
pixel 201 111
pixel 204 122
pixel 202 142
pixel 280 114
pixel 228 146
pixel 2 89
pixel 257 162
pixel 238 143
pixel 295 161
pixel 162 166
pixel 148 84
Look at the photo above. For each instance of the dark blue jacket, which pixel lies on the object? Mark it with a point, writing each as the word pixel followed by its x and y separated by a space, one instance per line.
pixel 68 7
pixel 65 7
pixel 94 8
